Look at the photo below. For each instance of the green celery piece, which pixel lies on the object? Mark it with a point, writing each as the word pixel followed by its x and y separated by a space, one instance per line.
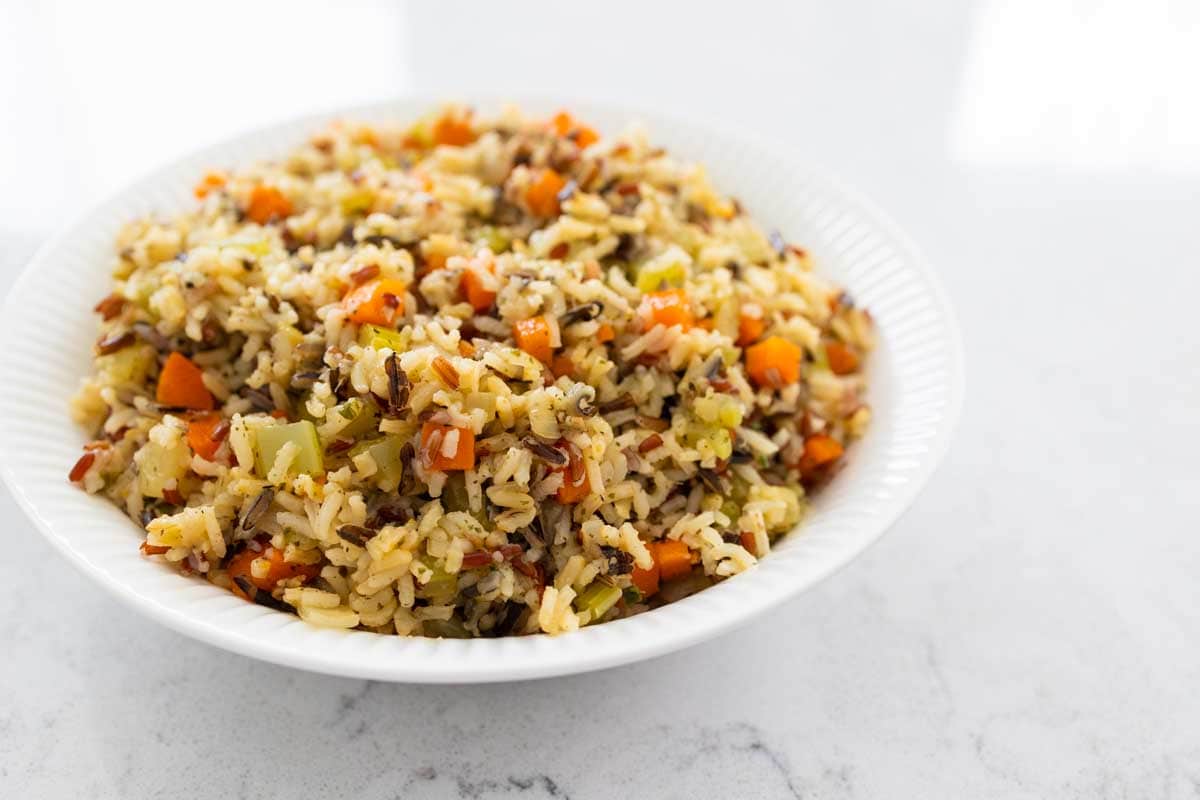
pixel 379 338
pixel 302 409
pixel 454 493
pixel 129 364
pixel 496 241
pixel 386 452
pixel 598 599
pixel 445 629
pixel 357 202
pixel 303 434
pixel 740 491
pixel 440 588
pixel 255 247
pixel 718 437
pixel 455 498
pixel 651 279
pixel 362 414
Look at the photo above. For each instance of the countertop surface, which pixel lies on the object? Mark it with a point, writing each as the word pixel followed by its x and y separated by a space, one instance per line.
pixel 1029 629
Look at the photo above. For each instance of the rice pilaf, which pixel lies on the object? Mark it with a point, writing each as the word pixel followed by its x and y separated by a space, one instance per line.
pixel 467 377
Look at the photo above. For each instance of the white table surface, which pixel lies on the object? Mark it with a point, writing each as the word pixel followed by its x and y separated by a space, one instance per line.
pixel 1030 629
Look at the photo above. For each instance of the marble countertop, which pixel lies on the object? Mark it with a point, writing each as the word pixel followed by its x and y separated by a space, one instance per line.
pixel 1029 629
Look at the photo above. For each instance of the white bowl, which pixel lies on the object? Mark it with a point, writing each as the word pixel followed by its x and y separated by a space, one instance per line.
pixel 916 392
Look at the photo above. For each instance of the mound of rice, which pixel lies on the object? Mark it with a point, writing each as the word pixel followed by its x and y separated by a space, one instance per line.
pixel 468 377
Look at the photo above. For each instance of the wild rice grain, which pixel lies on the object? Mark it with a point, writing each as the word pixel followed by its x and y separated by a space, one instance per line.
pixel 355 534
pixel 110 307
pixel 551 455
pixel 446 371
pixel 653 423
pixel 651 442
pixel 620 404
pixel 257 509
pixel 82 466
pixel 114 342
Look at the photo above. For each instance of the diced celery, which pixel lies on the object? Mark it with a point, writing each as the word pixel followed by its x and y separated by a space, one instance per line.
pixel 717 437
pixel 731 413
pixel 721 409
pixel 670 268
pixel 302 409
pixel 127 365
pixel 303 434
pixel 726 317
pixel 441 587
pixel 357 201
pixel 159 466
pixel 362 417
pixel 421 133
pixel 495 240
pixel 379 338
pixel 255 247
pixel 732 509
pixel 386 454
pixel 454 493
pixel 722 443
pixel 140 287
pixel 445 629
pixel 455 498
pixel 597 598
pixel 485 401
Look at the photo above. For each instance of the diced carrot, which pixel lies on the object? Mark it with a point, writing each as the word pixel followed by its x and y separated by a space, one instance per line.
pixel 605 333
pixel 375 302
pixel 672 557
pixel 842 360
pixel 367 135
pixel 668 307
pixel 110 306
pixel 204 436
pixel 566 125
pixel 153 549
pixel 181 384
pixel 533 336
pixel 773 362
pixel 576 485
pixel 822 449
pixel 705 324
pixel 453 130
pixel 749 329
pixel 542 194
pixel 479 296
pixel 209 183
pixel 646 580
pixel 279 413
pixel 279 570
pixel 562 365
pixel 266 204
pixel 433 437
pixel 746 538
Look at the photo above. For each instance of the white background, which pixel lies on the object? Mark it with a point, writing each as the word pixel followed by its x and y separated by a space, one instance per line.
pixel 1029 629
